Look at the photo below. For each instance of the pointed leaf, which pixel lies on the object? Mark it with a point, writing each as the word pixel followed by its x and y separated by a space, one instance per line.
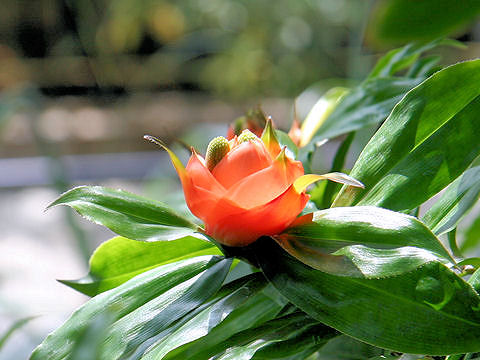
pixel 428 140
pixel 456 201
pixel 318 242
pixel 427 311
pixel 141 308
pixel 120 259
pixel 126 214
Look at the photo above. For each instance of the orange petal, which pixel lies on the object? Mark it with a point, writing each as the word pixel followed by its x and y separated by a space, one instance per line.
pixel 267 184
pixel 202 177
pixel 234 226
pixel 244 159
pixel 201 202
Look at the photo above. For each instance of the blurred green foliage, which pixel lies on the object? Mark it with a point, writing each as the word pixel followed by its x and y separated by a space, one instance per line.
pixel 237 48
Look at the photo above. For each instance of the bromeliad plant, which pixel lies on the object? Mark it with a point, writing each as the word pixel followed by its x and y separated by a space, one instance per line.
pixel 278 273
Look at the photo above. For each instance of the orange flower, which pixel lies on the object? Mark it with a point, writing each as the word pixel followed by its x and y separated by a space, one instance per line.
pixel 246 187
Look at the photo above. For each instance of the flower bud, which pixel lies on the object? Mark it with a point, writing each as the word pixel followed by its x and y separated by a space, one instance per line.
pixel 216 150
pixel 247 135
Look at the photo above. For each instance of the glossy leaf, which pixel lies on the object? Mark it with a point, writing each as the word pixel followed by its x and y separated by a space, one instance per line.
pixel 141 308
pixel 362 241
pixel 206 317
pixel 426 311
pixel 320 112
pixel 400 21
pixel 365 105
pixel 428 140
pixel 455 202
pixel 120 259
pixel 126 214
pixel 262 339
pixel 370 102
pixel 257 309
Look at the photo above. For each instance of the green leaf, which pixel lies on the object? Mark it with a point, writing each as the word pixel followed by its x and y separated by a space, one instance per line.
pixel 365 105
pixel 475 280
pixel 370 102
pixel 206 317
pixel 204 334
pixel 320 112
pixel 141 308
pixel 401 21
pixel 346 348
pixel 426 311
pixel 456 201
pixel 126 214
pixel 120 259
pixel 325 242
pixel 428 140
pixel 401 58
pixel 264 338
pixel 256 310
pixel 284 140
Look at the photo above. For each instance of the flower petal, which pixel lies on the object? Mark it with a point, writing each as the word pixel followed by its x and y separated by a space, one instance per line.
pixel 244 159
pixel 234 226
pixel 267 184
pixel 202 177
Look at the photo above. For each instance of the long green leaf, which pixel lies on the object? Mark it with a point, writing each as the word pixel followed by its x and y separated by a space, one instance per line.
pixel 246 344
pixel 215 323
pixel 455 202
pixel 370 102
pixel 427 311
pixel 258 309
pixel 141 308
pixel 428 140
pixel 365 105
pixel 401 58
pixel 126 214
pixel 120 259
pixel 363 241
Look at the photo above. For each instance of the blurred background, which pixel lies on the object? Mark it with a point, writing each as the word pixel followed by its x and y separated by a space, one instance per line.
pixel 82 81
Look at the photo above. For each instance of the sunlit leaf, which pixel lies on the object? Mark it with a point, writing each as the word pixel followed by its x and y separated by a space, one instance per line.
pixel 429 139
pixel 455 202
pixel 362 241
pixel 120 259
pixel 429 310
pixel 126 214
pixel 143 308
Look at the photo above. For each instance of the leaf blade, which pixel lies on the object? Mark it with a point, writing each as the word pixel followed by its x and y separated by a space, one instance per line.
pixel 126 214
